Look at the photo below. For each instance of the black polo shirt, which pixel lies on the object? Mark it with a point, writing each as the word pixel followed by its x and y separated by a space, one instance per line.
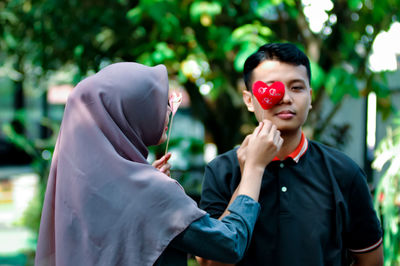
pixel 315 207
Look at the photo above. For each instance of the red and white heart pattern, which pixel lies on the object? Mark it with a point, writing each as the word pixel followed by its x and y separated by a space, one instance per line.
pixel 268 96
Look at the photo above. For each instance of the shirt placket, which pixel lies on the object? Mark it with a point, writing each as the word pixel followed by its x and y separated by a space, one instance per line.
pixel 283 187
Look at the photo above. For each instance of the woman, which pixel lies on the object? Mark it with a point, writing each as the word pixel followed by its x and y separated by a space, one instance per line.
pixel 106 205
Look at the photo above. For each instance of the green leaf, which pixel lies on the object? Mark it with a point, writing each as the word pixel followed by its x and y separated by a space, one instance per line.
pixel 10 40
pixel 78 51
pixel 318 76
pixel 354 4
pixel 199 8
pixel 170 26
pixel 251 32
pixel 8 17
pixel 340 83
pixel 267 10
pixel 381 89
pixel 145 59
pixel 105 39
pixel 134 15
pixel 245 51
pixel 162 53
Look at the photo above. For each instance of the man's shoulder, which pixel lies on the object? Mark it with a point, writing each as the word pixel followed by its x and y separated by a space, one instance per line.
pixel 340 164
pixel 329 153
pixel 225 159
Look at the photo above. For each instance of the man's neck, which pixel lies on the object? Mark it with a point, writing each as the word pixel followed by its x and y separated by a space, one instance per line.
pixel 290 142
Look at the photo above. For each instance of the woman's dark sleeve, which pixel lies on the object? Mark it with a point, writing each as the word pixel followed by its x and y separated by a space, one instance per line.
pixel 223 240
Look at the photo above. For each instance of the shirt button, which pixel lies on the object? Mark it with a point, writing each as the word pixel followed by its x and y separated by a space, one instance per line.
pixel 284 189
pixel 282 165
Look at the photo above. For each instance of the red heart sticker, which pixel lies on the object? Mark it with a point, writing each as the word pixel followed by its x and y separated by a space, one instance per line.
pixel 268 96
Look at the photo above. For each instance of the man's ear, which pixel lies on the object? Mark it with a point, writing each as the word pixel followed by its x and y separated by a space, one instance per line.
pixel 310 107
pixel 248 100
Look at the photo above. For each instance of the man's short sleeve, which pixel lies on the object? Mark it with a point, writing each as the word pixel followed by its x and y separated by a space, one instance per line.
pixel 365 230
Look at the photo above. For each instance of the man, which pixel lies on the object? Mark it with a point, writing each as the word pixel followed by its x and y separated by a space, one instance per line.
pixel 316 208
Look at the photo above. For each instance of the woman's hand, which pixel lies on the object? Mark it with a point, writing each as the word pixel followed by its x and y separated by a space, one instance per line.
pixel 258 151
pixel 241 152
pixel 263 144
pixel 162 164
pixel 264 136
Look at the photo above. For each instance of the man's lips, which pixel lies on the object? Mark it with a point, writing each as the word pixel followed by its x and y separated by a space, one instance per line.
pixel 285 114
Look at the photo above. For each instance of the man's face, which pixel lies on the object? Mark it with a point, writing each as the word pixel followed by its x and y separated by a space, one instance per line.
pixel 292 111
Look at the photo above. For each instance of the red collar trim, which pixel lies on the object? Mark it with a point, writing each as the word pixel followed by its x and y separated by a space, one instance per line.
pixel 299 151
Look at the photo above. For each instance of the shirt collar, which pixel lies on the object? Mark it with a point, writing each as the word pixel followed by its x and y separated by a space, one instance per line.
pixel 299 151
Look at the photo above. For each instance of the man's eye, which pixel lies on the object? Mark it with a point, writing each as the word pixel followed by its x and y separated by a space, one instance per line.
pixel 297 88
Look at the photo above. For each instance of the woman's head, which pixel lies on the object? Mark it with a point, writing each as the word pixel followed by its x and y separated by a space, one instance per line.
pixel 101 185
pixel 134 97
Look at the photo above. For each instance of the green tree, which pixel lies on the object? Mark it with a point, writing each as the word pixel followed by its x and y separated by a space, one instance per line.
pixel 202 43
pixel 205 43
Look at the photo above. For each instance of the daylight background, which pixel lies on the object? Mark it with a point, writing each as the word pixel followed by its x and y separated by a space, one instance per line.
pixel 47 47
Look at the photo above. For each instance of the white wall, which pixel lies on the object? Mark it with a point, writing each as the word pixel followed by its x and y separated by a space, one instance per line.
pixel 353 112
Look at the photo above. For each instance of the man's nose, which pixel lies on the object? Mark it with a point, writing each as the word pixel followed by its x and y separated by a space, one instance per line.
pixel 287 98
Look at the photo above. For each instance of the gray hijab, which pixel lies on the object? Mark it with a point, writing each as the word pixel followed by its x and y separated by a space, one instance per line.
pixel 104 204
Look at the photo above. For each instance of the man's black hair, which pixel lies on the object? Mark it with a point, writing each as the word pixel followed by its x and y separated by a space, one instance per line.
pixel 282 52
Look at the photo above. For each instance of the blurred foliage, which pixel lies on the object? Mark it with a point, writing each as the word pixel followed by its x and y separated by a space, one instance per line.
pixel 192 262
pixel 189 170
pixel 387 199
pixel 201 42
pixel 40 150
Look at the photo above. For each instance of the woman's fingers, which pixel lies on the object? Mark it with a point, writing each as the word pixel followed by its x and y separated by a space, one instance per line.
pixel 166 169
pixel 245 142
pixel 278 139
pixel 258 129
pixel 241 152
pixel 264 144
pixel 267 126
pixel 160 162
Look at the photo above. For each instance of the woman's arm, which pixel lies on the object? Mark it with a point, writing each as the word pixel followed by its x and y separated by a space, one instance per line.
pixel 263 145
pixel 255 153
pixel 230 240
pixel 223 240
